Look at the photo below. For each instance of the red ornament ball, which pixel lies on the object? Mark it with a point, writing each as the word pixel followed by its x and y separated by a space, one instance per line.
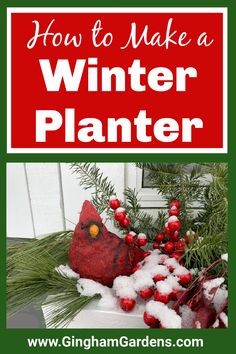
pixel 114 203
pixel 158 277
pixel 176 255
pixel 175 203
pixel 150 320
pixel 160 237
pixel 185 278
pixel 142 239
pixel 174 212
pixel 179 246
pixel 146 293
pixel 120 214
pixel 124 223
pixel 175 236
pixel 169 247
pixel 161 297
pixel 174 225
pixel 130 239
pixel 127 304
pixel 167 230
pixel 156 245
pixel 186 239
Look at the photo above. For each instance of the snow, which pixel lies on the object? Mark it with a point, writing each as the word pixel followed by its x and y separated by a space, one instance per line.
pixel 120 210
pixel 113 197
pixel 142 280
pixel 173 282
pixel 132 233
pixel 107 300
pixel 88 287
pixel 224 318
pixel 163 287
pixel 171 262
pixel 225 257
pixel 67 272
pixel 151 261
pixel 220 298
pixel 190 232
pixel 194 271
pixel 142 236
pixel 124 287
pixel 180 271
pixel 163 258
pixel 216 323
pixel 211 284
pixel 159 270
pixel 172 218
pixel 188 316
pixel 198 324
pixel 167 316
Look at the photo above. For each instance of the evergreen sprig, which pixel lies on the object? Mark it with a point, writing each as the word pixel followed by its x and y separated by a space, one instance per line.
pixel 31 275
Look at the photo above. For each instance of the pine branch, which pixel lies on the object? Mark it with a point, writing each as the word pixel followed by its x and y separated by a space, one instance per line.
pixel 31 274
pixel 204 250
pixel 90 177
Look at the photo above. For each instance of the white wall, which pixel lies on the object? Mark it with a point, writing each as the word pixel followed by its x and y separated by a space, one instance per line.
pixel 46 197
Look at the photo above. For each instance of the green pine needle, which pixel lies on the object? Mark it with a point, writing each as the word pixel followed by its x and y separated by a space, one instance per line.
pixel 31 274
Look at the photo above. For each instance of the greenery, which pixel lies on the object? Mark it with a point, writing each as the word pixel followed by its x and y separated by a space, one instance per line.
pixel 31 272
pixel 186 182
pixel 31 275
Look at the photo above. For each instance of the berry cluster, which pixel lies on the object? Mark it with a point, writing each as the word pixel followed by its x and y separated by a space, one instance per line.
pixel 120 213
pixel 169 240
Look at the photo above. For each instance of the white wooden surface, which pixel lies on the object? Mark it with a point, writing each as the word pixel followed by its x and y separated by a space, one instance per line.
pixel 47 197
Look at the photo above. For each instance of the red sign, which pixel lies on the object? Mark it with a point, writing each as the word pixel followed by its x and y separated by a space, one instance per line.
pixel 117 80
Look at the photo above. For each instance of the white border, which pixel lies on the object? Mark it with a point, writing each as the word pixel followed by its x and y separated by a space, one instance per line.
pixel 222 10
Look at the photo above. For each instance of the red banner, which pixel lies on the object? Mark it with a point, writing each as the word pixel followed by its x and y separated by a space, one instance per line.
pixel 117 80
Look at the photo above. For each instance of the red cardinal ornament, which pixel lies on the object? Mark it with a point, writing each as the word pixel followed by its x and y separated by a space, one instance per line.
pixel 97 254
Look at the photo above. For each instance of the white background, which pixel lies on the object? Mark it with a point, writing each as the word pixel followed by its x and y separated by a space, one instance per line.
pixel 46 197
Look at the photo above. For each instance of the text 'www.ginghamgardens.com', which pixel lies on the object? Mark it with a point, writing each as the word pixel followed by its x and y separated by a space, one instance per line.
pixel 122 342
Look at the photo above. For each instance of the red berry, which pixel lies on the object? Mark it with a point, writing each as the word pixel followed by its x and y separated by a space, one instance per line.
pixel 147 253
pixel 158 277
pixel 169 247
pixel 175 236
pixel 142 242
pixel 124 223
pixel 175 203
pixel 146 293
pixel 114 203
pixel 160 237
pixel 176 255
pixel 161 297
pixel 142 239
pixel 129 239
pixel 167 230
pixel 186 238
pixel 127 304
pixel 174 225
pixel 170 268
pixel 120 215
pixel 150 320
pixel 136 267
pixel 179 246
pixel 156 245
pixel 185 279
pixel 174 212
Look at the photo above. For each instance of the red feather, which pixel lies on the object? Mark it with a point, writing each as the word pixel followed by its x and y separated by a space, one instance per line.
pixel 104 257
